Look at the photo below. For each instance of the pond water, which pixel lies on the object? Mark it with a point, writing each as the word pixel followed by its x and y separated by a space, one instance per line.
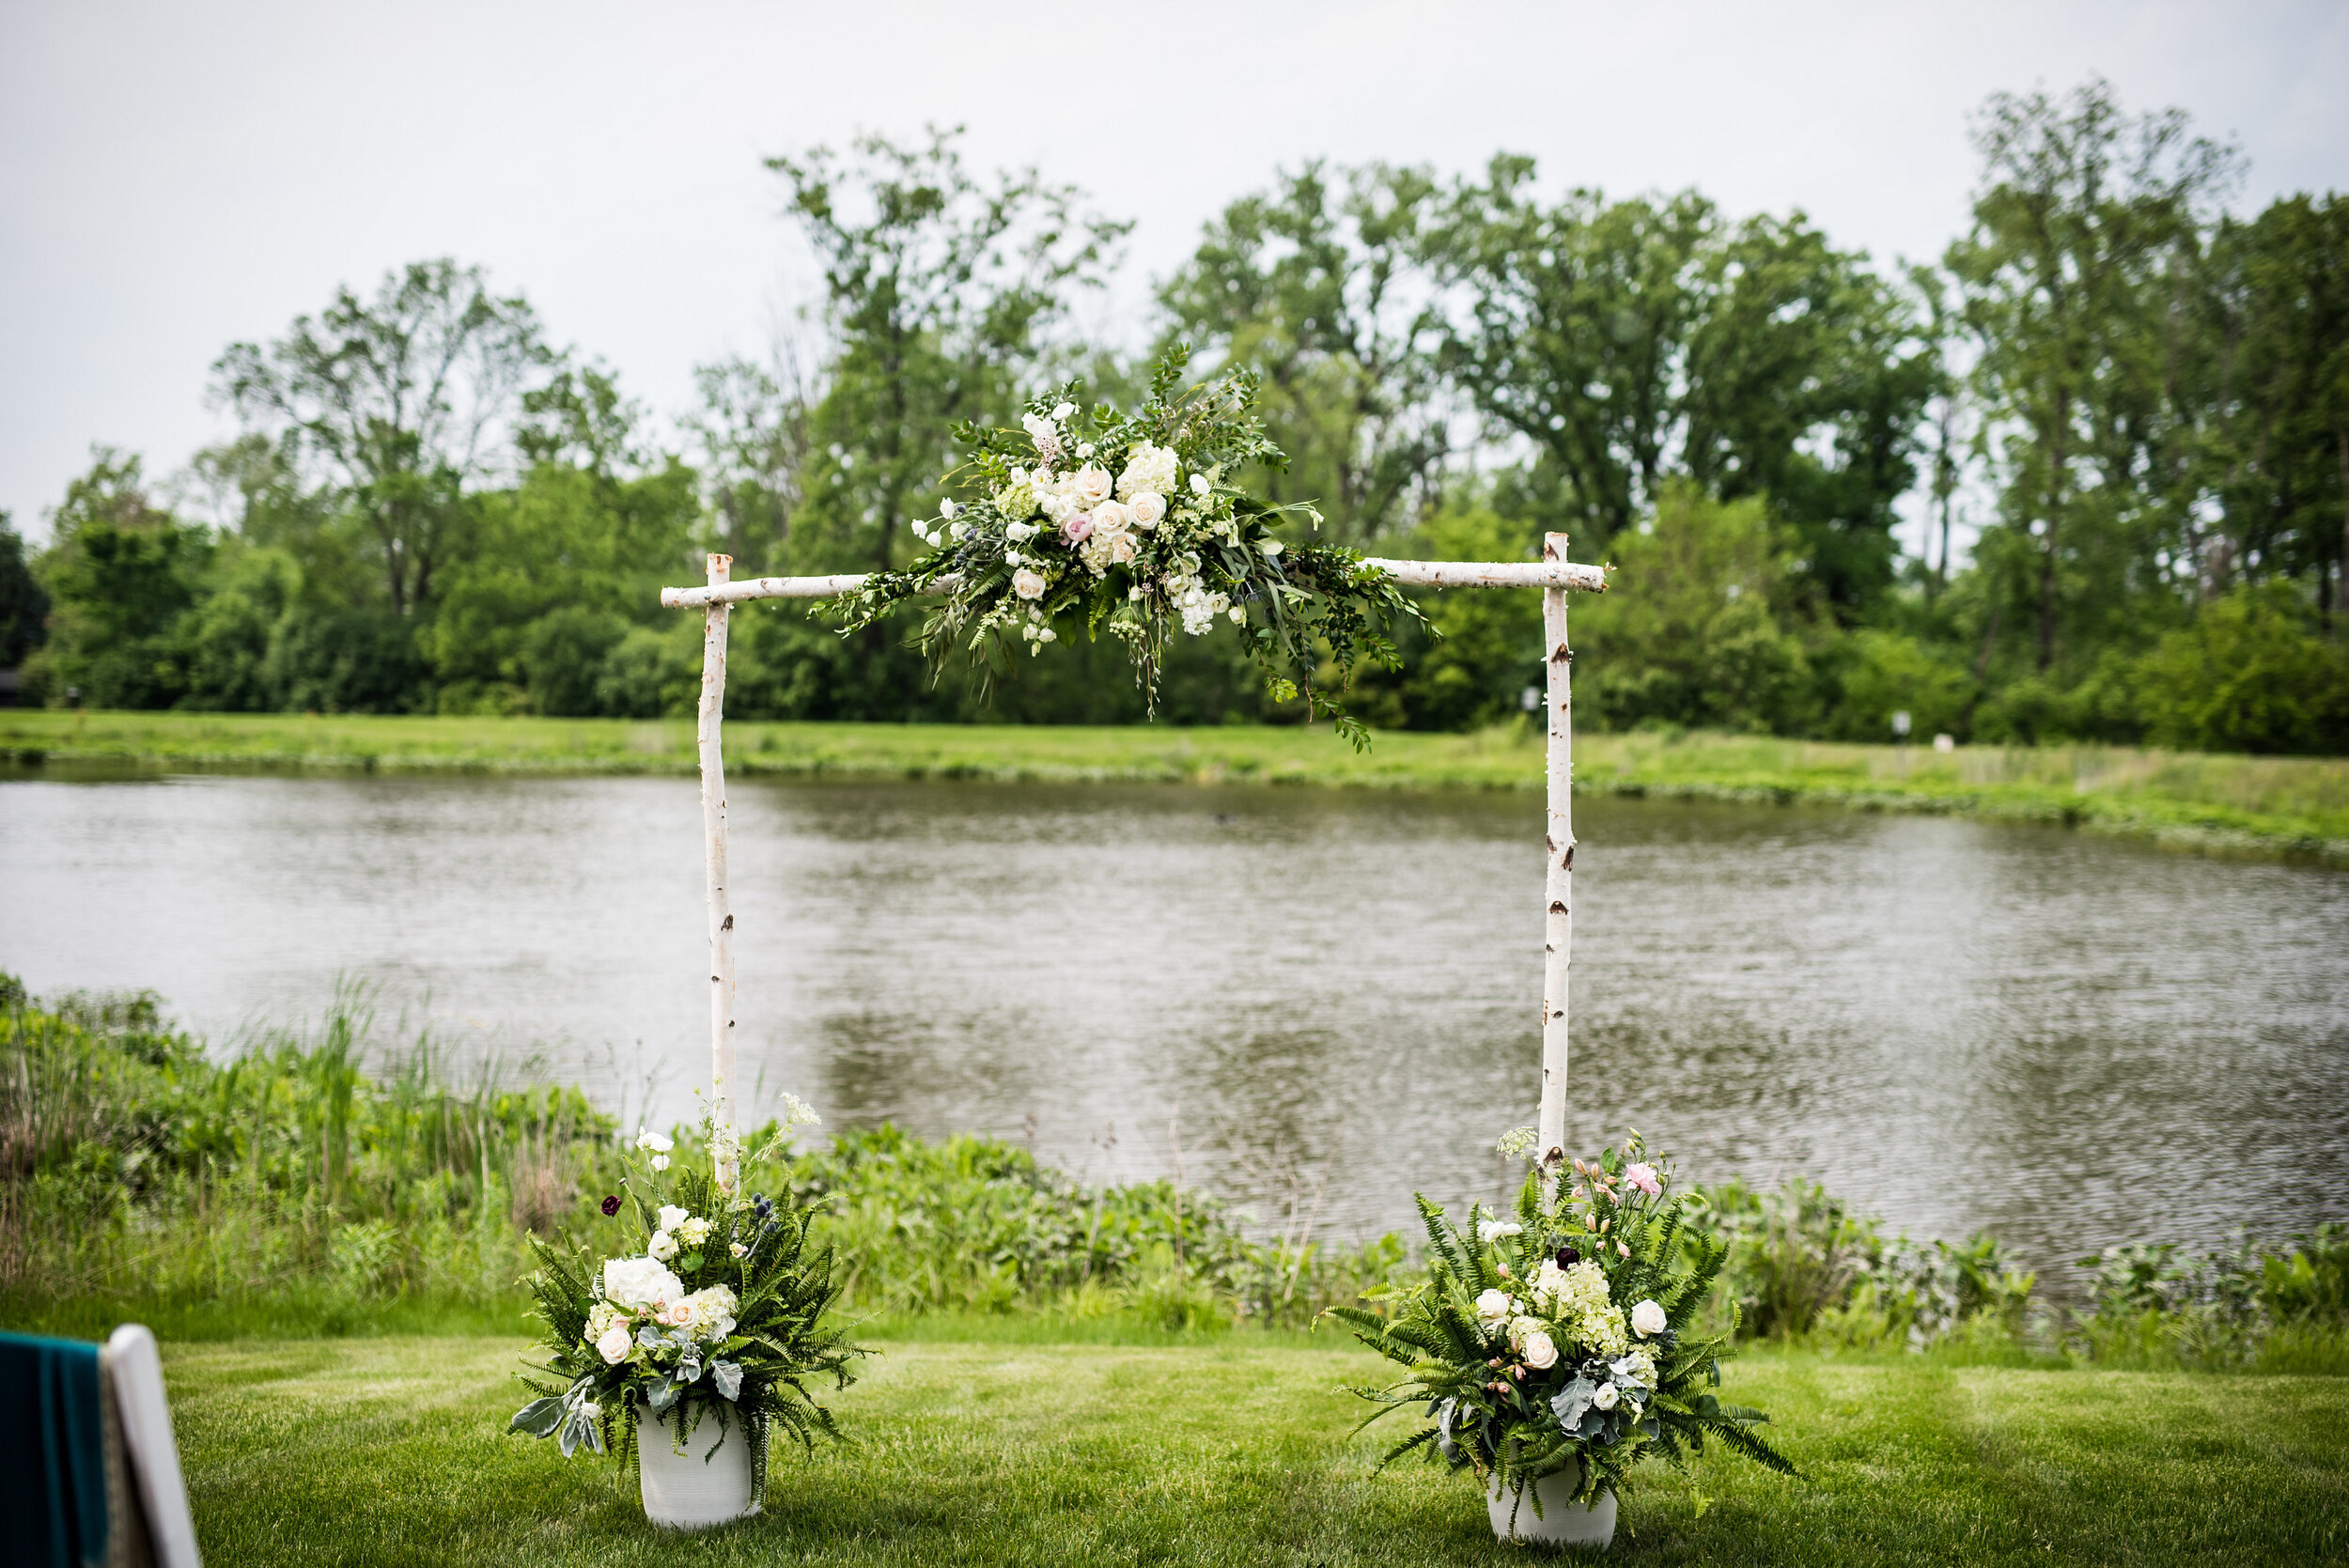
pixel 1296 997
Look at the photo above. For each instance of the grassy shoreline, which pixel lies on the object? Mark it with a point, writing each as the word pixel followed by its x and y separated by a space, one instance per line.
pixel 2293 806
pixel 392 1451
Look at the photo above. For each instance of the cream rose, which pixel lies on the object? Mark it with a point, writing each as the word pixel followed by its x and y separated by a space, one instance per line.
pixel 1647 1319
pixel 1110 517
pixel 1539 1351
pixel 1149 508
pixel 1493 1307
pixel 614 1345
pixel 1122 548
pixel 1090 486
pixel 1027 584
pixel 1606 1398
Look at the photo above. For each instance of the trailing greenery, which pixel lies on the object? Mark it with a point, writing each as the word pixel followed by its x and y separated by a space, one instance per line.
pixel 1565 1340
pixel 1143 527
pixel 1234 1453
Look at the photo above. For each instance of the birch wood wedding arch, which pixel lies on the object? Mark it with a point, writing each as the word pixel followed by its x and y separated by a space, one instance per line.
pixel 1553 574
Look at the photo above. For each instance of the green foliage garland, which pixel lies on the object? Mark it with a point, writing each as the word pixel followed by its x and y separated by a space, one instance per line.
pixel 1145 529
pixel 1562 1337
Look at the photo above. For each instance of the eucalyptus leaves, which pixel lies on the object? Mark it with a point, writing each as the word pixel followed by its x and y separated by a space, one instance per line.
pixel 1562 1335
pixel 1133 524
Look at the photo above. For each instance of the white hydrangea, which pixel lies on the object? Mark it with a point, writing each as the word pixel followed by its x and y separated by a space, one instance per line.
pixel 1148 468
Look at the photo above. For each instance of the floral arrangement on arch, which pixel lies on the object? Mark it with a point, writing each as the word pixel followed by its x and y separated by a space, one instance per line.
pixel 1562 1337
pixel 1133 524
pixel 712 1308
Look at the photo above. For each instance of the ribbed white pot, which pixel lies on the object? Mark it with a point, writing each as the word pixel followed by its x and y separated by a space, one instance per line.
pixel 707 1484
pixel 1561 1522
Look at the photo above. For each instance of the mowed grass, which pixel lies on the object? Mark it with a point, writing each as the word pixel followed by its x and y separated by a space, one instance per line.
pixel 392 1452
pixel 2297 805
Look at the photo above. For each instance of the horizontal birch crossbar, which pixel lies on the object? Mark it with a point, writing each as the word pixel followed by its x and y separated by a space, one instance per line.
pixel 1418 574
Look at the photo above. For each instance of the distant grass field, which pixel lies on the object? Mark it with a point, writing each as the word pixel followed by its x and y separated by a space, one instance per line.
pixel 392 1452
pixel 2296 805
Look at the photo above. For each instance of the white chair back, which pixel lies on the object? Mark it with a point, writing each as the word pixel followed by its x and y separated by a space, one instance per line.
pixel 135 1370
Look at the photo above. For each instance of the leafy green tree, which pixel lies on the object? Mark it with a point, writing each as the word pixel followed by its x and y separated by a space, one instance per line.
pixel 121 571
pixel 397 406
pixel 23 607
pixel 1704 628
pixel 2085 235
pixel 752 444
pixel 2250 675
pixel 1318 284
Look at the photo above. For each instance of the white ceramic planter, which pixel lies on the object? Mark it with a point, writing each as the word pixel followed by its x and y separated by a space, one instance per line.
pixel 1561 1523
pixel 696 1488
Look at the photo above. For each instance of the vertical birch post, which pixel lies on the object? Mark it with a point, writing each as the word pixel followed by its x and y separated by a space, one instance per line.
pixel 1557 889
pixel 714 868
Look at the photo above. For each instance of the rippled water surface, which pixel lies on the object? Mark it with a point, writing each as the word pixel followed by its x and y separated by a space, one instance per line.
pixel 1311 996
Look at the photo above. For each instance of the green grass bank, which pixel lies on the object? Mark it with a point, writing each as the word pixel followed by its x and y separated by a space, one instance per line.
pixel 392 1452
pixel 2297 806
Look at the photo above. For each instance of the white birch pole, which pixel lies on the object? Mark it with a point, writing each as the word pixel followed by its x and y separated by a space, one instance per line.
pixel 1558 891
pixel 714 868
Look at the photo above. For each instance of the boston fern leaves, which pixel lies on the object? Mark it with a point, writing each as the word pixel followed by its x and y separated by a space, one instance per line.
pixel 1562 1336
pixel 713 1311
pixel 1134 524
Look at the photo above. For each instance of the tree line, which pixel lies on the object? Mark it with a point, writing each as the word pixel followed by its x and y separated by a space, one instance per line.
pixel 2119 413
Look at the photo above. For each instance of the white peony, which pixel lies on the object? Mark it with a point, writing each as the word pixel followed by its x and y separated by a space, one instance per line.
pixel 1539 1351
pixel 1148 507
pixel 672 1216
pixel 1493 1308
pixel 661 1248
pixel 613 1344
pixel 1647 1319
pixel 1027 584
pixel 632 1282
pixel 1606 1398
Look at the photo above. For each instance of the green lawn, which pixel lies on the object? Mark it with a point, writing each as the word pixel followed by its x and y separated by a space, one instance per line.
pixel 2298 805
pixel 390 1451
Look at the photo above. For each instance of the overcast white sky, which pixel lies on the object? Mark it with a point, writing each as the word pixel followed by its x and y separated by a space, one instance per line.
pixel 177 177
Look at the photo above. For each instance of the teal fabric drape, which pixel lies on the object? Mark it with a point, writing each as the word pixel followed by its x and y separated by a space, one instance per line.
pixel 52 1453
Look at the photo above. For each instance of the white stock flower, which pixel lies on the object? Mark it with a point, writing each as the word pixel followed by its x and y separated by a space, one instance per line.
pixel 1647 1319
pixel 613 1343
pixel 1493 1308
pixel 1606 1398
pixel 1027 584
pixel 1538 1351
pixel 661 1248
pixel 1490 1230
pixel 632 1282
pixel 672 1216
pixel 1149 508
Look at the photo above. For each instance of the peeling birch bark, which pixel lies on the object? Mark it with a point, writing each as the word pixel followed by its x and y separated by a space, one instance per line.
pixel 714 869
pixel 1557 890
pixel 1554 573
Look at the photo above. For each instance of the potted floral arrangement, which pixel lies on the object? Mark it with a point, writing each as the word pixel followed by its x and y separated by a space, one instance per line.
pixel 706 1323
pixel 1552 1352
pixel 1135 524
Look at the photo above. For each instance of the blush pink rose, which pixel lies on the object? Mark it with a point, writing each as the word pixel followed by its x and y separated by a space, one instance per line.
pixel 1076 528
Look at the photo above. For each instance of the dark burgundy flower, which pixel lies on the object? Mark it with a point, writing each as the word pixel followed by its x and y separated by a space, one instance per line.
pixel 1568 1257
pixel 610 1206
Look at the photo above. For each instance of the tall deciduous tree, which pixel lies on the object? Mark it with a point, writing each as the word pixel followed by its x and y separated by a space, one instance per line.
pixel 2084 237
pixel 398 404
pixel 1319 284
